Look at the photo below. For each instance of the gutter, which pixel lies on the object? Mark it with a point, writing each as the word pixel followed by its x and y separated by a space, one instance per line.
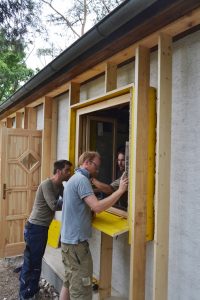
pixel 101 31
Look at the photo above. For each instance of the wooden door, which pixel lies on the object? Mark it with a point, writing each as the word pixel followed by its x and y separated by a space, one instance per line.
pixel 20 175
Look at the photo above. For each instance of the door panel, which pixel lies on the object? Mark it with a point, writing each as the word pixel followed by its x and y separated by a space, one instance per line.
pixel 20 176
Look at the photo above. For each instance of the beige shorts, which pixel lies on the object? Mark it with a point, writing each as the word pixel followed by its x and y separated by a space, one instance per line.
pixel 78 267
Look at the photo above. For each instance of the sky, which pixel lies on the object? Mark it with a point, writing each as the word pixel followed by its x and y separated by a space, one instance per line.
pixel 33 61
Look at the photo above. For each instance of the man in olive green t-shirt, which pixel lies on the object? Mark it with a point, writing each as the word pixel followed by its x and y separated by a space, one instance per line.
pixel 47 200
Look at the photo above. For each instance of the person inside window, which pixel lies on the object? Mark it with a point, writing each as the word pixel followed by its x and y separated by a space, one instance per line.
pixel 108 189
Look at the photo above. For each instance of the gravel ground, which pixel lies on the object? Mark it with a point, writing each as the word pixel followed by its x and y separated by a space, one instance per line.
pixel 9 282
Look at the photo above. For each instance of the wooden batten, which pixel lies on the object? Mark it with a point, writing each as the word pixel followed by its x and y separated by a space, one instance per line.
pixel 74 92
pixel 110 77
pixel 46 138
pixel 30 118
pixel 9 122
pixel 105 266
pixel 139 173
pixel 19 117
pixel 163 156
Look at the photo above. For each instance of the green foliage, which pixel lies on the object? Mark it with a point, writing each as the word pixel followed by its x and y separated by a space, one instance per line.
pixel 13 70
pixel 17 16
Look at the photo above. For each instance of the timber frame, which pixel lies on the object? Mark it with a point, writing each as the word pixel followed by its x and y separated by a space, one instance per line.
pixel 178 20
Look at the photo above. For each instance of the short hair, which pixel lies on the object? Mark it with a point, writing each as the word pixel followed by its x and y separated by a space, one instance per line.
pixel 88 155
pixel 121 150
pixel 60 164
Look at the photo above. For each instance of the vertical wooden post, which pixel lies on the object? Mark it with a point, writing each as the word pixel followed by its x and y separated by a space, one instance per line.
pixel 74 97
pixel 30 118
pixel 9 123
pixel 105 266
pixel 18 120
pixel 110 77
pixel 74 92
pixel 46 138
pixel 163 156
pixel 139 174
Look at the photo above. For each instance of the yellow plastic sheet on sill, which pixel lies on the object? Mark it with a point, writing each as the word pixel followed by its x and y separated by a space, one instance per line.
pixel 110 224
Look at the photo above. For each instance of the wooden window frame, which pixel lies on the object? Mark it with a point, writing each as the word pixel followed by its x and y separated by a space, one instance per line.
pixel 109 100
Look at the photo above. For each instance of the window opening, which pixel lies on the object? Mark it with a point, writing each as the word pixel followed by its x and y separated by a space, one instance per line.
pixel 107 131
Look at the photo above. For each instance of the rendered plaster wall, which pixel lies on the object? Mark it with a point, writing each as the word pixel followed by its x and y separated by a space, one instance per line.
pixel 40 118
pixel 63 118
pixel 184 262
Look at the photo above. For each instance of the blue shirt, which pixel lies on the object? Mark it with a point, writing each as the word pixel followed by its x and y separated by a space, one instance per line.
pixel 76 214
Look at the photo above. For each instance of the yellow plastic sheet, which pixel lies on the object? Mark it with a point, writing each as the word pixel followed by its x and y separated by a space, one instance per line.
pixel 110 224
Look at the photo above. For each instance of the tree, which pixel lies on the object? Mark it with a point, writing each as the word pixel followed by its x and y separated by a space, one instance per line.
pixel 13 70
pixel 18 16
pixel 18 23
pixel 72 22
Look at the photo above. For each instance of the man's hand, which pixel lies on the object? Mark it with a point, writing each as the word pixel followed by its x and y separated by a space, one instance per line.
pixel 123 185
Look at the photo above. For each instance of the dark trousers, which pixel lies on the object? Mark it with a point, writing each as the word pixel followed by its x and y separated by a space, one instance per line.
pixel 35 237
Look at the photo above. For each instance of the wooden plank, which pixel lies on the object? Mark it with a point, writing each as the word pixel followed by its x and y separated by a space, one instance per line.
pixel 163 157
pixel 138 174
pixel 60 90
pixel 74 93
pixel 118 92
pixel 151 163
pixel 30 118
pixel 46 139
pixel 9 122
pixel 94 106
pixel 19 117
pixel 110 77
pixel 105 266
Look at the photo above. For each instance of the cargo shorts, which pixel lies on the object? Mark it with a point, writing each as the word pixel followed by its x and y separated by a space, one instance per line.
pixel 78 267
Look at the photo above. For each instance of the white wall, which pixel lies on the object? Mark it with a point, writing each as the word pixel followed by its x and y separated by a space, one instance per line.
pixel 184 252
pixel 184 264
pixel 40 117
pixel 63 119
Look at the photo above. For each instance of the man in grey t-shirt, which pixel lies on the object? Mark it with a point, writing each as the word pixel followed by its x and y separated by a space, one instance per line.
pixel 79 201
pixel 36 229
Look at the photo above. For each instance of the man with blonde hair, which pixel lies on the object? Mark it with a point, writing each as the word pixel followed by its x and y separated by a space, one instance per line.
pixel 78 202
